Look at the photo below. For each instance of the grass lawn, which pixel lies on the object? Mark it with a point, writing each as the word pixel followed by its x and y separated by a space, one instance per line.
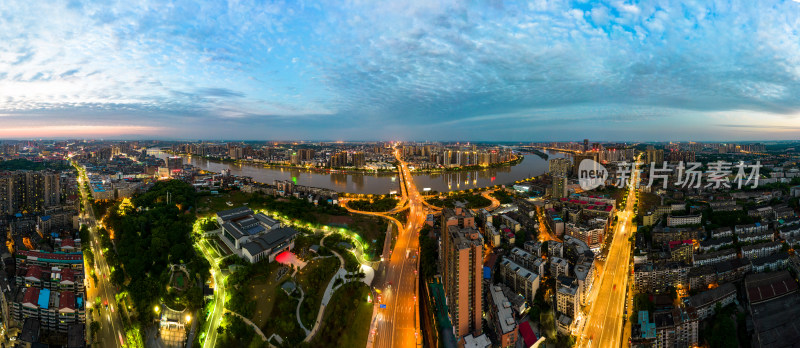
pixel 288 207
pixel 283 318
pixel 209 205
pixel 303 242
pixel 474 201
pixel 347 318
pixel 503 196
pixel 314 278
pixel 370 229
pixel 381 204
pixel 260 289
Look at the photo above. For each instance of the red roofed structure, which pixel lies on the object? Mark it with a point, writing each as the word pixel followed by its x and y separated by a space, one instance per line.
pixel 527 334
pixel 67 275
pixel 675 243
pixel 31 297
pixel 67 301
pixel 34 272
pixel 67 242
pixel 763 287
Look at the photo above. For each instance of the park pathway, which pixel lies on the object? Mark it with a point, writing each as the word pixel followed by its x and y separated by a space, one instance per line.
pixel 258 331
pixel 302 296
pixel 328 293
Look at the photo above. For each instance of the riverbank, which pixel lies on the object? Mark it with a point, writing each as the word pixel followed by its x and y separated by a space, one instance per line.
pixel 524 166
pixel 324 170
pixel 511 163
pixel 255 163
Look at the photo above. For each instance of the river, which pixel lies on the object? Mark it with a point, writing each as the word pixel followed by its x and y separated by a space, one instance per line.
pixel 531 165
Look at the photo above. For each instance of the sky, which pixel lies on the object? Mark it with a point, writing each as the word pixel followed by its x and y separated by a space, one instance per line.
pixel 534 70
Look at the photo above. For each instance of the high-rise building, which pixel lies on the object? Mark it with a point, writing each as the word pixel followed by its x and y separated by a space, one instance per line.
pixel 462 266
pixel 559 166
pixel 306 154
pixel 654 156
pixel 576 160
pixel 585 145
pixel 294 158
pixel 359 159
pixel 559 188
pixel 235 152
pixel 28 191
pixel 338 160
pixel 174 163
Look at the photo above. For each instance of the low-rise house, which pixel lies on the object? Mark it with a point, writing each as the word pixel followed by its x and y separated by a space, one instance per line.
pixel 680 220
pixel 714 244
pixel 533 247
pixel 700 277
pixel 521 279
pixel 789 232
pixel 714 257
pixel 492 235
pixel 774 262
pixel 584 275
pixel 758 236
pixel 558 267
pixel 568 297
pixel 676 328
pixel 706 301
pixel 555 249
pixel 722 232
pixel 501 317
pixel 783 213
pixel 655 277
pixel 732 270
pixel 761 249
pixel 750 228
pixel 681 250
pixel 522 257
pixel 765 213
pixel 514 225
pixel 663 235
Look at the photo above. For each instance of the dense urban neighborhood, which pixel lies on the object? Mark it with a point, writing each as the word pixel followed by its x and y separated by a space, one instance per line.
pixel 128 244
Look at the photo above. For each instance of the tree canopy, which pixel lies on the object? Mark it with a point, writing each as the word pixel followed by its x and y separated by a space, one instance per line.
pixel 152 236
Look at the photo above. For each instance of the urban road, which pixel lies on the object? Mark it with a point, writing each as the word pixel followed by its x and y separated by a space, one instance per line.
pixel 111 332
pixel 605 321
pixel 398 323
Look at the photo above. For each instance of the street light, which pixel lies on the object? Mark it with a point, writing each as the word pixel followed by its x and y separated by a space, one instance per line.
pixel 188 318
pixel 156 309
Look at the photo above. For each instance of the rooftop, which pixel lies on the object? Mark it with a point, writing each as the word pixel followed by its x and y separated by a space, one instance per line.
pixel 230 214
pixel 269 240
pixel 762 287
pixel 711 296
pixel 50 257
pixel 505 316
pixel 770 259
pixel 772 329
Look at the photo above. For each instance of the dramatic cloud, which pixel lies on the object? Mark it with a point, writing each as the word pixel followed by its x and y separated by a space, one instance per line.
pixel 541 69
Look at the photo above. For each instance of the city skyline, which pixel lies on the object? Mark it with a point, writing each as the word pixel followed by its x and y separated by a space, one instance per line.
pixel 632 71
